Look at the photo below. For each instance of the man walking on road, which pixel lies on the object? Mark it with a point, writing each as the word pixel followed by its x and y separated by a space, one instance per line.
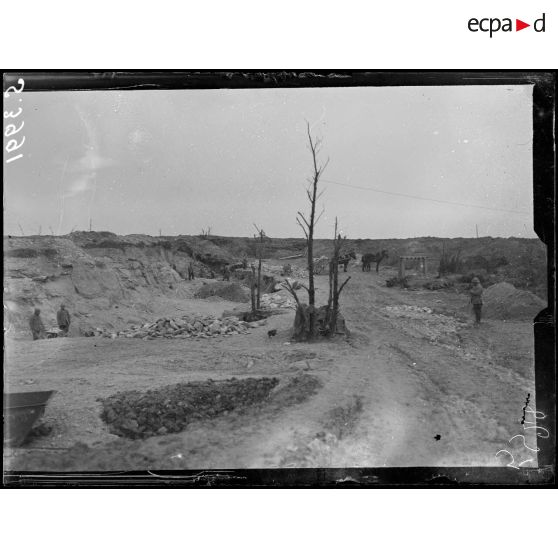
pixel 476 299
pixel 36 325
pixel 63 319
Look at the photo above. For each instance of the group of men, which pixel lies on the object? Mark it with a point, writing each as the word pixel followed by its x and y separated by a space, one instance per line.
pixel 38 329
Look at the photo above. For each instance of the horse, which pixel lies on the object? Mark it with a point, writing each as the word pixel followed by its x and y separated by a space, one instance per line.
pixel 346 258
pixel 367 259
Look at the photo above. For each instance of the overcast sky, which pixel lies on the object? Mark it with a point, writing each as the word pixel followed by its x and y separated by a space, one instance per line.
pixel 180 161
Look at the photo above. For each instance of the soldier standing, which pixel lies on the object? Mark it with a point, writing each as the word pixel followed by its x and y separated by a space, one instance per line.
pixel 36 325
pixel 476 298
pixel 63 319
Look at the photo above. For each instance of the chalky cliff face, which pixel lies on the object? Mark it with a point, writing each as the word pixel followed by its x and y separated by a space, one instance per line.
pixel 95 274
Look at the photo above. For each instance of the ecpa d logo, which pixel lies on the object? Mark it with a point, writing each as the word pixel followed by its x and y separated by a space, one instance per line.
pixel 492 25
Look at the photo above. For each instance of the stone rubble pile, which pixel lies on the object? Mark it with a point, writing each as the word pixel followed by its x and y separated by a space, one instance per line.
pixel 185 327
pixel 136 414
pixel 290 272
pixel 424 320
pixel 276 301
pixel 407 311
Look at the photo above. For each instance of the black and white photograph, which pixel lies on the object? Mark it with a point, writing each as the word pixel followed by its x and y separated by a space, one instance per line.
pixel 279 278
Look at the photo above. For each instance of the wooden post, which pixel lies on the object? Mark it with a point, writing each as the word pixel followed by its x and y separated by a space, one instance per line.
pixel 424 266
pixel 401 267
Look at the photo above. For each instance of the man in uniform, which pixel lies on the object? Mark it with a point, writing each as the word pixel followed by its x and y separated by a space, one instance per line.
pixel 63 319
pixel 476 298
pixel 36 325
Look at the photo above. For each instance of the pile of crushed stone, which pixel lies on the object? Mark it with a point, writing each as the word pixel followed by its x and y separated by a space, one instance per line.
pixel 407 311
pixel 135 414
pixel 228 290
pixel 503 301
pixel 287 270
pixel 277 301
pixel 429 324
pixel 184 327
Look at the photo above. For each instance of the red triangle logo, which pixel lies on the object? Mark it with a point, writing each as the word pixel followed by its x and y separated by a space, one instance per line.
pixel 519 25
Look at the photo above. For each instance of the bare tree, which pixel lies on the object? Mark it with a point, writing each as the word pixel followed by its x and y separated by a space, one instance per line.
pixel 332 311
pixel 21 229
pixel 206 233
pixel 305 319
pixel 253 289
pixel 260 237
pixel 51 231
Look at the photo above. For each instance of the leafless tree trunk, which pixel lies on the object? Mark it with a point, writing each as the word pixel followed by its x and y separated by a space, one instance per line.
pixel 259 255
pixel 308 225
pixel 253 289
pixel 332 312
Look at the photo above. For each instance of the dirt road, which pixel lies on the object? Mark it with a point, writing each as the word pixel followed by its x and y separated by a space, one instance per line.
pixel 409 387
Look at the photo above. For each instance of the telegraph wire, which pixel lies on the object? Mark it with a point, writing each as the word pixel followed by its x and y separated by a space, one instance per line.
pixel 424 199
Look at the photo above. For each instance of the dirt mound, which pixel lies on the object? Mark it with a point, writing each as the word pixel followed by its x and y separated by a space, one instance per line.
pixel 134 414
pixel 503 301
pixel 224 289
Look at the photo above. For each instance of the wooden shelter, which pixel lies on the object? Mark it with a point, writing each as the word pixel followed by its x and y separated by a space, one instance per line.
pixel 421 262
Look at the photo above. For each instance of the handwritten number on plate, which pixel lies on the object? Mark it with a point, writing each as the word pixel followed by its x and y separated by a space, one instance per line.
pixel 12 114
pixel 521 435
pixel 538 433
pixel 512 461
pixel 538 414
pixel 11 129
pixel 13 88
pixel 12 145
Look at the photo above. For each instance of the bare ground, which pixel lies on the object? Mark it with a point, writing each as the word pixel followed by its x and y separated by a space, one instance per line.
pixel 400 391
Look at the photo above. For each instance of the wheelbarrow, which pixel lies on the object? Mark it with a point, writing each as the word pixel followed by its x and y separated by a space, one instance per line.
pixel 21 412
pixel 54 332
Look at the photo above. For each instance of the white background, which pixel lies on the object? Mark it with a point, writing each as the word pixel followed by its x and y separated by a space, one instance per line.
pixel 286 34
pixel 263 523
pixel 278 523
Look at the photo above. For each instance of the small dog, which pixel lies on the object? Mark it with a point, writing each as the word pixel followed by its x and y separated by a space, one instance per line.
pixel 272 333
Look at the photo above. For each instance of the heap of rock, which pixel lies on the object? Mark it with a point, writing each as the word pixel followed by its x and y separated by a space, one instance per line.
pixel 276 301
pixel 407 311
pixel 135 414
pixel 184 327
pixel 430 324
pixel 294 272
